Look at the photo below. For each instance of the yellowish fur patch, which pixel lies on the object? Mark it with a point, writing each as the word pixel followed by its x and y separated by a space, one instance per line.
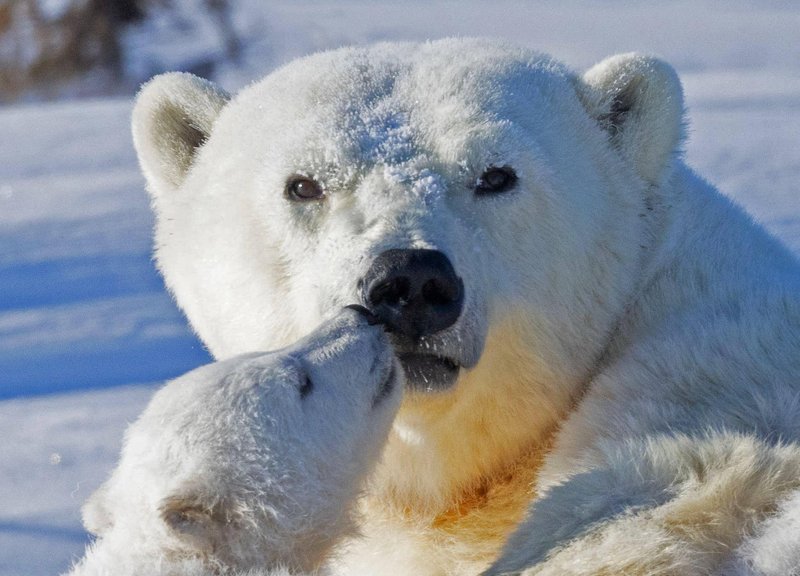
pixel 469 533
pixel 482 518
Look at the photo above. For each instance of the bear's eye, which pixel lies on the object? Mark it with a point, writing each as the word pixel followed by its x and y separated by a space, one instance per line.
pixel 303 188
pixel 496 179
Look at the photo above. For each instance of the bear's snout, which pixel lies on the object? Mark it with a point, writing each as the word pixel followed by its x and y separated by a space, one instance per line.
pixel 414 292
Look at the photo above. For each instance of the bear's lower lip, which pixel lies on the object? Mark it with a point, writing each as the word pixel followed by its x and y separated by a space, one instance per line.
pixel 427 372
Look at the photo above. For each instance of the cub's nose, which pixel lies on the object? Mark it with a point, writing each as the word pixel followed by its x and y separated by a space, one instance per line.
pixel 414 293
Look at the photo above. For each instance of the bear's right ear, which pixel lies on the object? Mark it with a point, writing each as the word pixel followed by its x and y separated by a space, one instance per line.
pixel 173 116
pixel 638 101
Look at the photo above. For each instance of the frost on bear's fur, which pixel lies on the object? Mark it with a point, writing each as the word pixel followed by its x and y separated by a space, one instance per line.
pixel 629 343
pixel 250 464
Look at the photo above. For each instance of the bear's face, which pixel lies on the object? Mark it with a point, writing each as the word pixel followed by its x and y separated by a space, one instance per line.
pixel 274 207
pixel 251 462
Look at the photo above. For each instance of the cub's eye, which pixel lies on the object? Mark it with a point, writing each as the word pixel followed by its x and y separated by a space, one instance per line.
pixel 302 188
pixel 306 387
pixel 496 179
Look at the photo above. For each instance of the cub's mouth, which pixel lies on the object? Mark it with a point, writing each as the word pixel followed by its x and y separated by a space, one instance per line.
pixel 428 372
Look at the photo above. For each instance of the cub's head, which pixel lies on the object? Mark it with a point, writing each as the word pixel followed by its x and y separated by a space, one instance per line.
pixel 249 463
pixel 482 200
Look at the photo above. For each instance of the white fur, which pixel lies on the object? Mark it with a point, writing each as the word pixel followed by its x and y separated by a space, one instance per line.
pixel 622 319
pixel 774 550
pixel 231 469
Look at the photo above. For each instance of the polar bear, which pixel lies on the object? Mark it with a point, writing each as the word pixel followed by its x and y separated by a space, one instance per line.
pixel 250 465
pixel 599 347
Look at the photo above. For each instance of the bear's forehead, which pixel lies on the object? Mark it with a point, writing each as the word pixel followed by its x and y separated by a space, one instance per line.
pixel 416 118
pixel 384 104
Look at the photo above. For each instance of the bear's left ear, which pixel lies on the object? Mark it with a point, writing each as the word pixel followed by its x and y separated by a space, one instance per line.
pixel 638 100
pixel 172 118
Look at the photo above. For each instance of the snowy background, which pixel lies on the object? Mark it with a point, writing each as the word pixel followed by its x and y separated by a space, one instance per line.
pixel 86 328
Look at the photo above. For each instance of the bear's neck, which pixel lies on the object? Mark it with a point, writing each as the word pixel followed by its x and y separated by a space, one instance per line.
pixel 704 250
pixel 459 467
pixel 445 445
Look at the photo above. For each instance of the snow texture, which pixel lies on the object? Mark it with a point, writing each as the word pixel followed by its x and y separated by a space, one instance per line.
pixel 86 327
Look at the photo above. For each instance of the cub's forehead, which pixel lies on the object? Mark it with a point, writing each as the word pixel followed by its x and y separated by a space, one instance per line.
pixel 388 103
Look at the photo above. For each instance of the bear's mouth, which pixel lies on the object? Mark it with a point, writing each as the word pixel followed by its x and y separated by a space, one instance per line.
pixel 428 372
pixel 424 371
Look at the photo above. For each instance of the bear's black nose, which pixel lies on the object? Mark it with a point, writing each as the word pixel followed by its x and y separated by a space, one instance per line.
pixel 414 293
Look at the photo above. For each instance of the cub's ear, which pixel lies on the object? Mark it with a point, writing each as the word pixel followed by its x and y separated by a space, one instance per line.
pixel 95 514
pixel 196 518
pixel 173 116
pixel 638 100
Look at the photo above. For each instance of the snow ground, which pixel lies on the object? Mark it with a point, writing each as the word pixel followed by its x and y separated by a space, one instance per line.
pixel 86 328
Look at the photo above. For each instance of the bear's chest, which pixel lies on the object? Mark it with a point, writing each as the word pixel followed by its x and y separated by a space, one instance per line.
pixel 463 538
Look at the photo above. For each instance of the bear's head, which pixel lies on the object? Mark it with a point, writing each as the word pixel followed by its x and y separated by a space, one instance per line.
pixel 249 463
pixel 490 206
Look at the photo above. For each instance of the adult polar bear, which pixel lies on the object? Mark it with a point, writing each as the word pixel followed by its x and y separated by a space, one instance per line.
pixel 589 331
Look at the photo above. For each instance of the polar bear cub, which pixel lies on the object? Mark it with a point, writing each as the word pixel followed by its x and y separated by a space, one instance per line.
pixel 250 464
